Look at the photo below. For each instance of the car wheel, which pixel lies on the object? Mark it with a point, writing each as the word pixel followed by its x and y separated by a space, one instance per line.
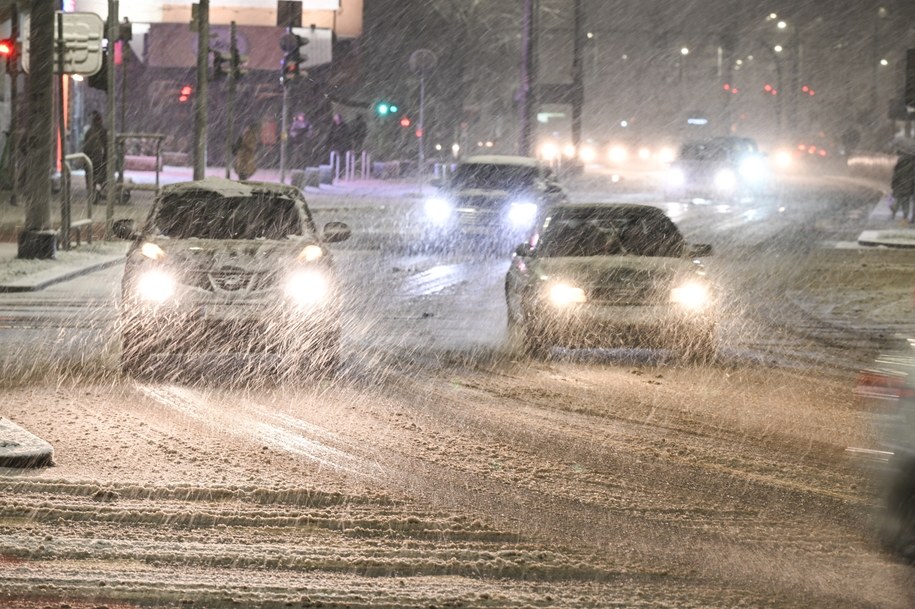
pixel 700 348
pixel 135 359
pixel 323 360
pixel 901 506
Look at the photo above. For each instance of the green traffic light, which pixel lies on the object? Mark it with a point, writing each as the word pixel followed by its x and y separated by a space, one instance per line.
pixel 393 109
pixel 383 108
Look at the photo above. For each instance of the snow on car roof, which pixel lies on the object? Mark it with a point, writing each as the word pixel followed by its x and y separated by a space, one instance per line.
pixel 230 188
pixel 501 159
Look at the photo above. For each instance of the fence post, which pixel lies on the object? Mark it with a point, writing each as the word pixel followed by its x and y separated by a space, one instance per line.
pixel 366 165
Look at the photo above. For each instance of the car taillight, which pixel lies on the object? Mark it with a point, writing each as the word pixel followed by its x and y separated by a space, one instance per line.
pixel 882 385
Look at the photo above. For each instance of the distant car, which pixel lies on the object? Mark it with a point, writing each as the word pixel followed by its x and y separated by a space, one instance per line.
pixel 889 388
pixel 495 198
pixel 722 168
pixel 230 267
pixel 610 275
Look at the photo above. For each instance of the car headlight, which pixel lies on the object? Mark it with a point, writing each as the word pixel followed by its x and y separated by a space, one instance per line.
pixel 692 295
pixel 156 286
pixel 310 253
pixel 152 251
pixel 563 294
pixel 521 214
pixel 307 287
pixel 438 210
pixel 725 179
pixel 587 154
pixel 752 168
pixel 784 159
pixel 676 177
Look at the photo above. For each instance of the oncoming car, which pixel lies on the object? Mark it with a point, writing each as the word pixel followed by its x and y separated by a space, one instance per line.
pixel 230 267
pixel 611 275
pixel 888 387
pixel 494 198
pixel 722 168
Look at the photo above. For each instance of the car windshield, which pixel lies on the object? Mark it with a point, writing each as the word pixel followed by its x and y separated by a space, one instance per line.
pixel 609 232
pixel 209 216
pixel 493 176
pixel 703 151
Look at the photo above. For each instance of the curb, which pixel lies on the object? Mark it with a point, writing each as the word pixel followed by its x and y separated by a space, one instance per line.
pixel 19 448
pixel 889 238
pixel 33 285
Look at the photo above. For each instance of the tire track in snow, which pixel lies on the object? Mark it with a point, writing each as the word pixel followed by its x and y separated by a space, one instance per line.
pixel 250 424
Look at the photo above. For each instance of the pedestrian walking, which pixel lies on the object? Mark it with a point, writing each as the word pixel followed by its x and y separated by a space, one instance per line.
pixel 337 136
pixel 903 185
pixel 357 132
pixel 95 146
pixel 245 151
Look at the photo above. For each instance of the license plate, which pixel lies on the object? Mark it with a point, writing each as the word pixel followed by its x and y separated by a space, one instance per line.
pixel 228 313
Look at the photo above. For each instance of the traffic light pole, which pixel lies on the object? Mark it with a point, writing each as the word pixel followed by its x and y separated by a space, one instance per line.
pixel 527 105
pixel 14 104
pixel 200 100
pixel 283 135
pixel 230 118
pixel 111 153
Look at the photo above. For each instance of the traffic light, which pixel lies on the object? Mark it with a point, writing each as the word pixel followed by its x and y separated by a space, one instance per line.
pixel 770 89
pixel 807 90
pixel 239 63
pixel 219 66
pixel 184 94
pixel 8 52
pixel 384 108
pixel 291 44
pixel 405 122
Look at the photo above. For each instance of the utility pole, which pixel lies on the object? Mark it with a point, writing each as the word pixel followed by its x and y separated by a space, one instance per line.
pixel 200 100
pixel 37 240
pixel 578 85
pixel 527 98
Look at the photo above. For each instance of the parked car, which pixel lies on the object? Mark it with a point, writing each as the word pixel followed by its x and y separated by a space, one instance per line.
pixel 721 169
pixel 607 274
pixel 493 198
pixel 888 388
pixel 230 267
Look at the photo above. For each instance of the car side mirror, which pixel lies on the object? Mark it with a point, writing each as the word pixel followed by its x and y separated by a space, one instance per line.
pixel 523 250
pixel 125 228
pixel 334 232
pixel 698 250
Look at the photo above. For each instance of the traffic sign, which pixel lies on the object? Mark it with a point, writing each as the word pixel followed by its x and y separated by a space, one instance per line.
pixel 82 36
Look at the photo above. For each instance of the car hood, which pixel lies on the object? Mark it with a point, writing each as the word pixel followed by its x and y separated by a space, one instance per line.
pixel 205 254
pixel 596 270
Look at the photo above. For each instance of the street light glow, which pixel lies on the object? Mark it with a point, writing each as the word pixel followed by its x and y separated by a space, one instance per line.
pixel 781 25
pixel 684 51
pixel 778 48
pixel 884 62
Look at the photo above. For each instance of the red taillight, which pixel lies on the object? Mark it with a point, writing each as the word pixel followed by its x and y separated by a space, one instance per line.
pixel 881 385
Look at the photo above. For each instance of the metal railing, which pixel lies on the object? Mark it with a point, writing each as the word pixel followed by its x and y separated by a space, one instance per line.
pixel 67 225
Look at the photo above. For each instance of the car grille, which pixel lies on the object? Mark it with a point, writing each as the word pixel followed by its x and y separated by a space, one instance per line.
pixel 629 287
pixel 230 280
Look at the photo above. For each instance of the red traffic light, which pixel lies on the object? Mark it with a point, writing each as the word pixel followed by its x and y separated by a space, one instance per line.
pixel 7 47
pixel 185 93
pixel 405 122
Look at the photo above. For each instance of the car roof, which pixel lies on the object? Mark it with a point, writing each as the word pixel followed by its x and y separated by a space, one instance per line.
pixel 500 159
pixel 230 188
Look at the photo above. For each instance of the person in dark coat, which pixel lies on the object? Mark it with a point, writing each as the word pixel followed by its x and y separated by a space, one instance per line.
pixel 357 132
pixel 903 185
pixel 95 146
pixel 337 136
